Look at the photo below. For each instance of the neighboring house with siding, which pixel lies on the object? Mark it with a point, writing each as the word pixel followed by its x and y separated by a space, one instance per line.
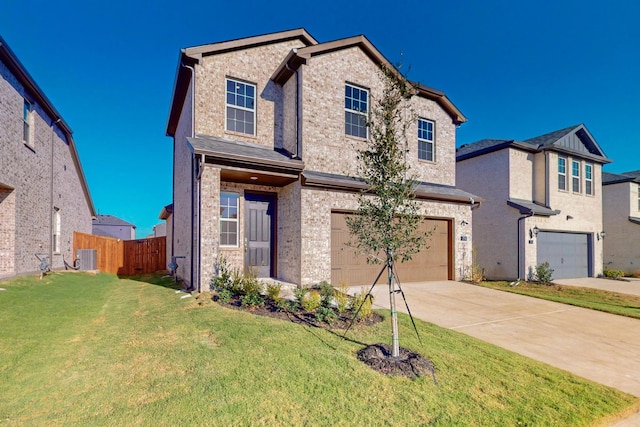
pixel 621 213
pixel 44 196
pixel 542 202
pixel 265 133
pixel 112 226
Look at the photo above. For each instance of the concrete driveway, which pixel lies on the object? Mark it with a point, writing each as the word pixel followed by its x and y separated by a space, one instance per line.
pixel 602 347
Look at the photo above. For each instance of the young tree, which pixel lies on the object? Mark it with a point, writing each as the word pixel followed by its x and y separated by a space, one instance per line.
pixel 385 227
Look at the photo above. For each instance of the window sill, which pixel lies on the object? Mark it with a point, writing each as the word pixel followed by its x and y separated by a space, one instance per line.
pixel 356 138
pixel 245 135
pixel 431 162
pixel 29 146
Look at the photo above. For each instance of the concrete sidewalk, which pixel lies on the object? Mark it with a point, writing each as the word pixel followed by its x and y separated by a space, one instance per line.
pixel 629 286
pixel 602 347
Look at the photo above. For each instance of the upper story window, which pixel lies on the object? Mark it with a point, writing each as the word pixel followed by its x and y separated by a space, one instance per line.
pixel 229 219
pixel 27 119
pixel 426 139
pixel 356 106
pixel 562 173
pixel 588 179
pixel 575 176
pixel 241 107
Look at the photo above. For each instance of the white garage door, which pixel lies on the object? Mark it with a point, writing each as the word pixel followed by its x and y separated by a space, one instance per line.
pixel 568 254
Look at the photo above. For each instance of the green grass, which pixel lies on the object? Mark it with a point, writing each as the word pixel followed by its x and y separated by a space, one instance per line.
pixel 595 299
pixel 96 350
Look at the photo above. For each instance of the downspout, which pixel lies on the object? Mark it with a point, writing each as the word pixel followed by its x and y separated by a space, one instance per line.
pixel 199 166
pixel 298 154
pixel 521 245
pixel 193 160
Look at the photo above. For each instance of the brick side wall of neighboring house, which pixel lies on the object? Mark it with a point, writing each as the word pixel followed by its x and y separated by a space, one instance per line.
pixel 621 249
pixel 42 177
pixel 182 195
pixel 254 65
pixel 495 223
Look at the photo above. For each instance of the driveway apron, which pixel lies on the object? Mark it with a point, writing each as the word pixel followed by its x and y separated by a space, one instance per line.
pixel 601 347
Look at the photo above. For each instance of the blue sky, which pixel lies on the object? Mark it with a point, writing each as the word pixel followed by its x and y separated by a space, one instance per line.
pixel 516 69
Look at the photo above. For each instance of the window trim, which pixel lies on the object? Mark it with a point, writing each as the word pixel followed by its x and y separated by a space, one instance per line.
pixel 364 114
pixel 238 107
pixel 565 187
pixel 589 167
pixel 235 220
pixel 27 122
pixel 432 141
pixel 638 188
pixel 575 177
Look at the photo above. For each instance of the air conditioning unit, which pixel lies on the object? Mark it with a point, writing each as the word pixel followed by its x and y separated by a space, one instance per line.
pixel 88 259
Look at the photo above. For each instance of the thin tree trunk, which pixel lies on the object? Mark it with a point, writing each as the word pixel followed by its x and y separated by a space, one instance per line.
pixel 395 339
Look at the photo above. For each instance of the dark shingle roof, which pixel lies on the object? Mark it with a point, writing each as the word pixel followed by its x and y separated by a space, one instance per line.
pixel 548 139
pixel 615 178
pixel 111 220
pixel 527 207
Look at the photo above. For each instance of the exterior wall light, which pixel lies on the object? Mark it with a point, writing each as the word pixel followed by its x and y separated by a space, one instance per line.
pixel 603 234
pixel 536 230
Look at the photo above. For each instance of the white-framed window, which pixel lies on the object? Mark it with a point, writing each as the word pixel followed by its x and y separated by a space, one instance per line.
pixel 588 179
pixel 639 197
pixel 241 107
pixel 562 173
pixel 229 219
pixel 426 140
pixel 56 230
pixel 27 120
pixel 575 176
pixel 356 107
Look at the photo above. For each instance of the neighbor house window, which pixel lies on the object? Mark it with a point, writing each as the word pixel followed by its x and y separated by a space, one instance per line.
pixel 27 111
pixel 241 107
pixel 228 219
pixel 588 178
pixel 425 139
pixel 356 105
pixel 56 230
pixel 562 173
pixel 575 176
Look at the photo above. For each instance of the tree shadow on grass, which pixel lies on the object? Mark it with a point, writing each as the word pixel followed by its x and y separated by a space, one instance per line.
pixel 158 279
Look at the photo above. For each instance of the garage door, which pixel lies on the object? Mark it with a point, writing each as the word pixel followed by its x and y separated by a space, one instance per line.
pixel 432 263
pixel 568 254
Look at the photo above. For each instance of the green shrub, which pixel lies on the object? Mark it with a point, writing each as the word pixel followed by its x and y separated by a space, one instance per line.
pixel 299 294
pixel 252 300
pixel 224 296
pixel 342 298
pixel 364 302
pixel 273 291
pixel 224 275
pixel 612 274
pixel 250 284
pixel 326 314
pixel 326 294
pixel 311 301
pixel 543 273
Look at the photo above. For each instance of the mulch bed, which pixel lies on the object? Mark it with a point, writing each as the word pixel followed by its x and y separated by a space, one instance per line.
pixel 377 356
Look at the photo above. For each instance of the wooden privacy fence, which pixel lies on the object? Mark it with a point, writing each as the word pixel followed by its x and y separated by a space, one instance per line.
pixel 124 257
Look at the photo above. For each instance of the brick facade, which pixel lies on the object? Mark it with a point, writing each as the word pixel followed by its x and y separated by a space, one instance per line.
pixel 303 113
pixel 36 179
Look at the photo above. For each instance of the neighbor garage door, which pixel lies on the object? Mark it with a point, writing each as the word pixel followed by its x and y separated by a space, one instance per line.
pixel 432 263
pixel 568 254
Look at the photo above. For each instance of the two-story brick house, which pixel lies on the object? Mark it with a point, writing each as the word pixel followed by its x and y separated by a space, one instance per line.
pixel 44 196
pixel 265 133
pixel 542 203
pixel 621 217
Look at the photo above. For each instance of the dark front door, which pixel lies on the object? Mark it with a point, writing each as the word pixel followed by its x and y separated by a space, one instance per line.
pixel 260 222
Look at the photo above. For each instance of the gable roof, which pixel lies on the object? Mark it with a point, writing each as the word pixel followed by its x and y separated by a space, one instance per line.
pixel 298 57
pixel 111 220
pixel 191 56
pixel 18 70
pixel 574 140
pixel 616 178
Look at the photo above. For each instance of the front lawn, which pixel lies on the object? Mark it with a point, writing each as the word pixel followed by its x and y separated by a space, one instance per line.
pixel 78 349
pixel 596 299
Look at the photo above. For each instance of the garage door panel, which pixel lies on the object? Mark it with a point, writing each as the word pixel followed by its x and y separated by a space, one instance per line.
pixel 568 254
pixel 431 263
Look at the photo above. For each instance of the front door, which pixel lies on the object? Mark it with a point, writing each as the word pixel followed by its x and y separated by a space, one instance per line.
pixel 259 226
